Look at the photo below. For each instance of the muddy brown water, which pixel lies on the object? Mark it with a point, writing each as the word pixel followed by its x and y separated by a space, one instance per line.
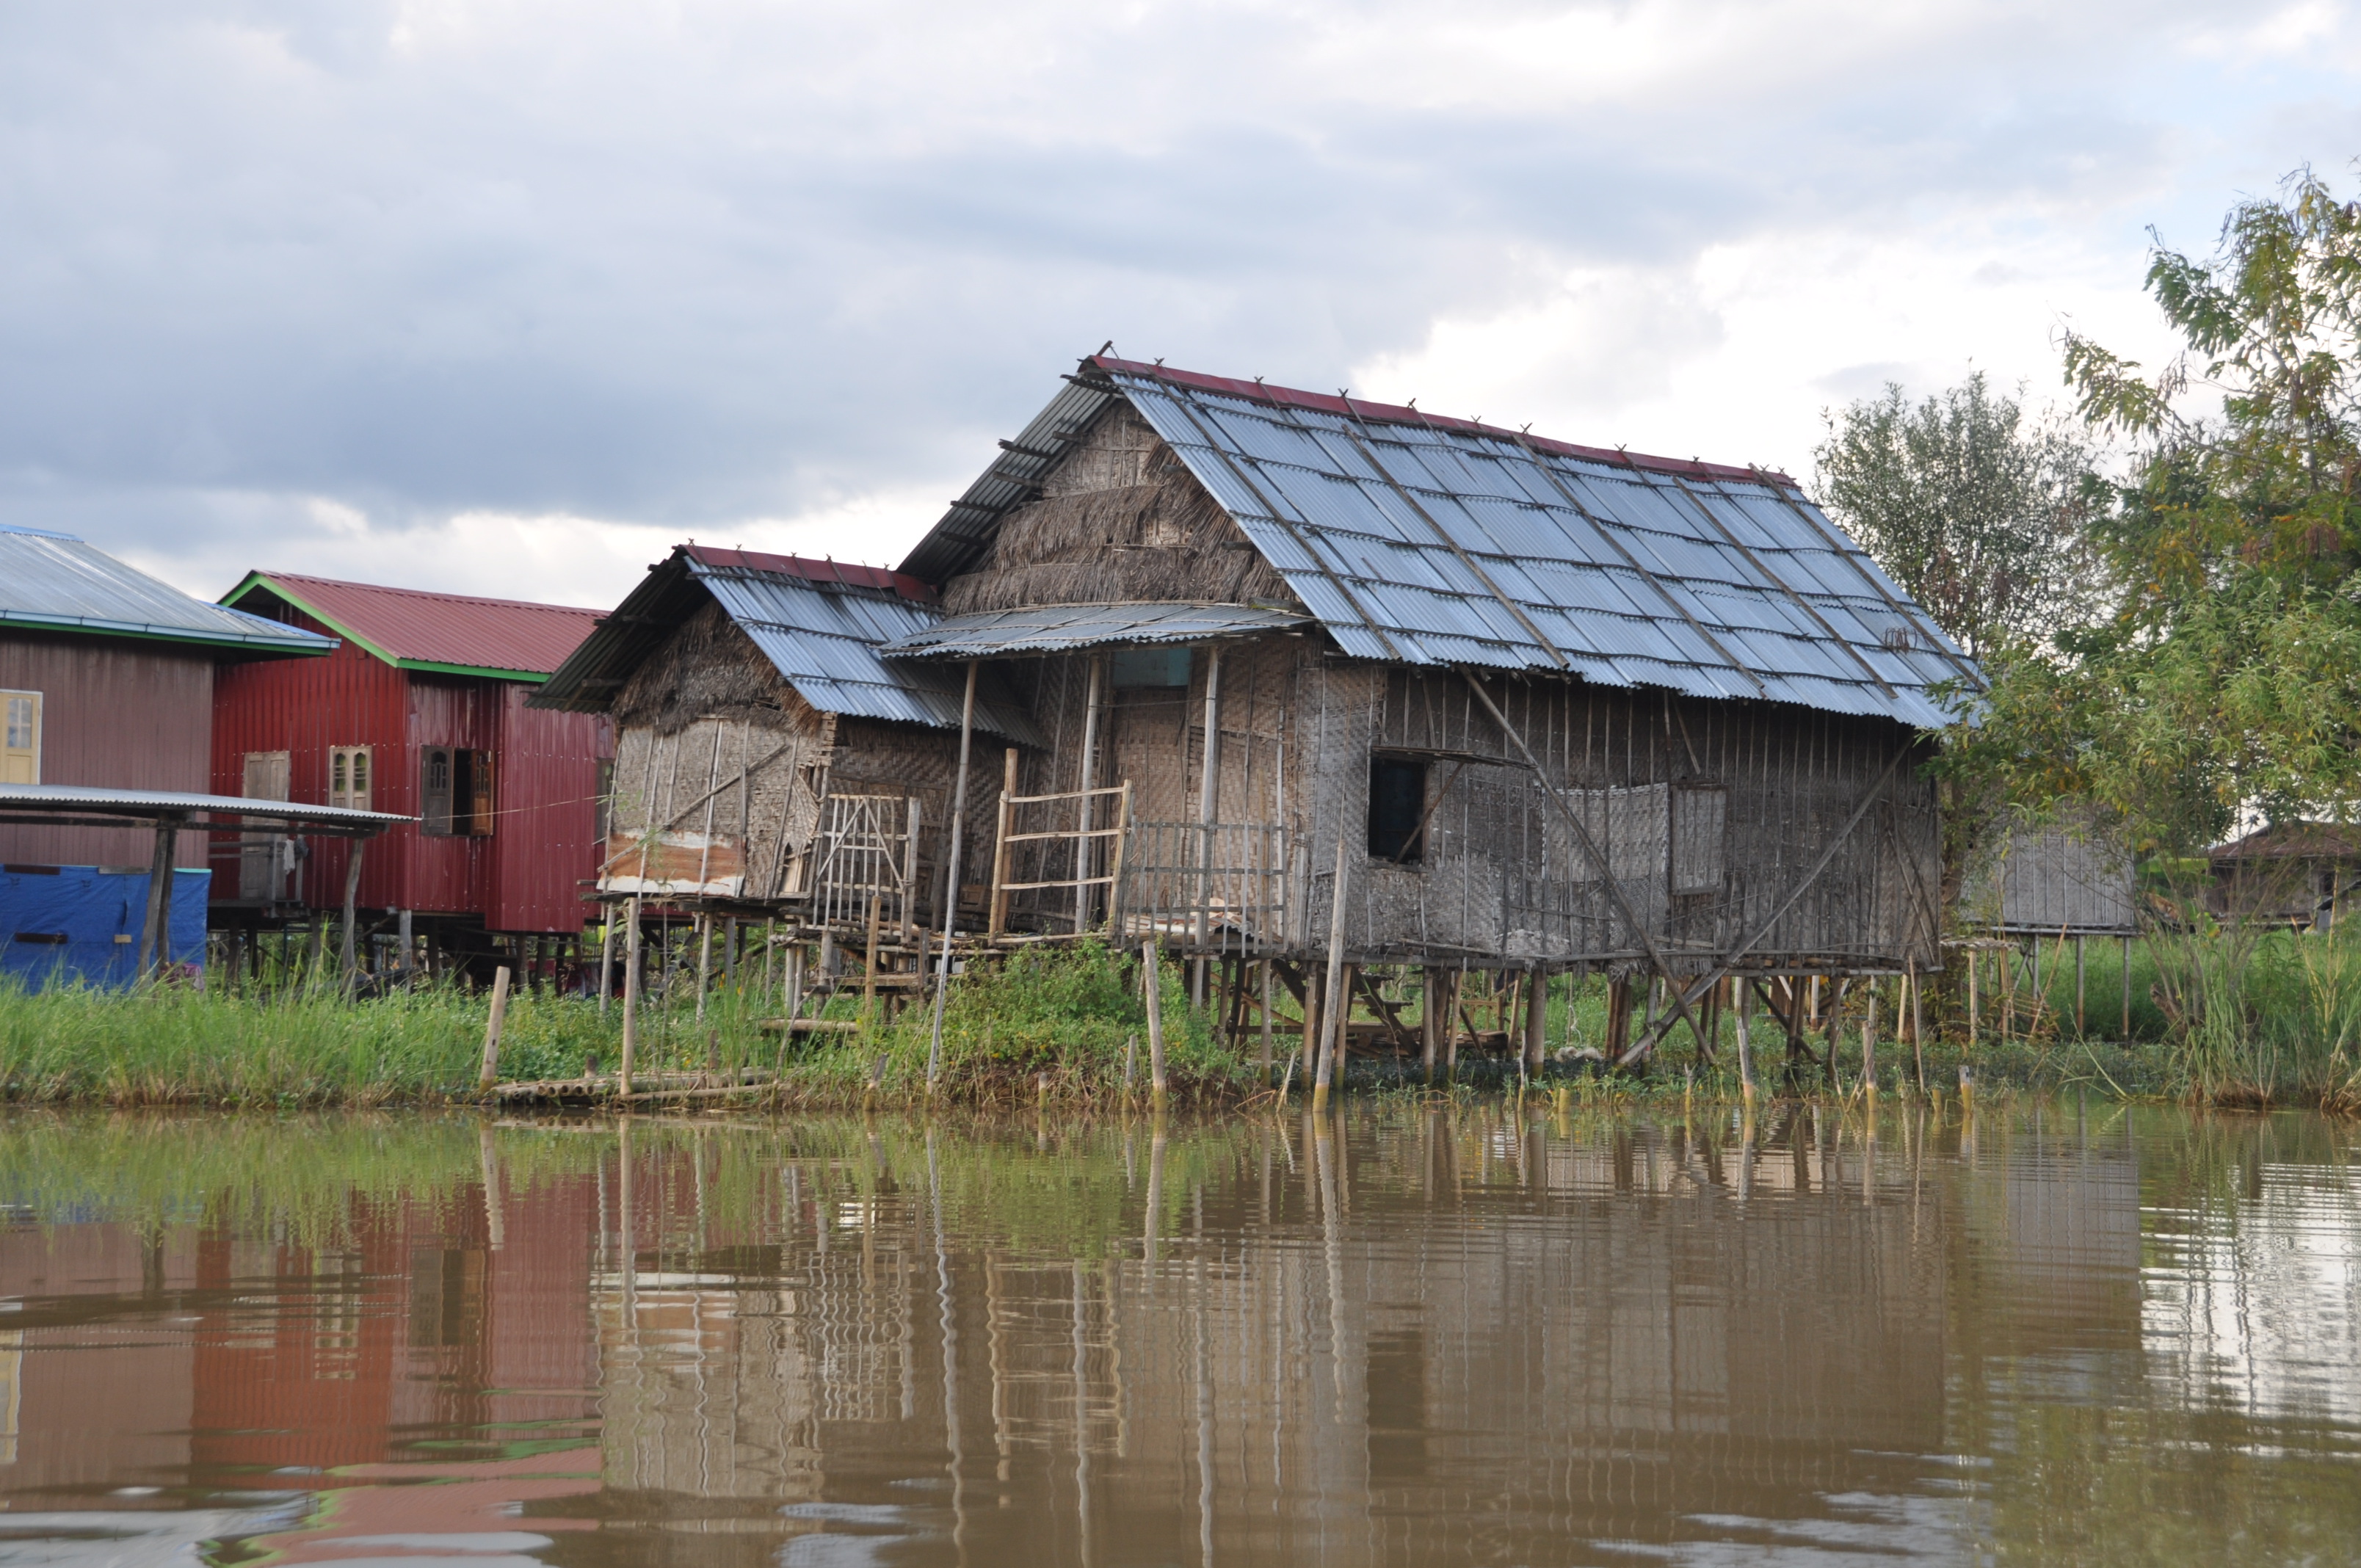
pixel 2057 1333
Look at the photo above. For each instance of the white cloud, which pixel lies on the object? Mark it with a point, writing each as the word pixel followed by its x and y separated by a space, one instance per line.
pixel 511 295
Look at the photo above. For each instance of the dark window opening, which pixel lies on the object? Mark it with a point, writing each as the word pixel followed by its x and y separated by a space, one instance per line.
pixel 1131 668
pixel 456 790
pixel 1398 809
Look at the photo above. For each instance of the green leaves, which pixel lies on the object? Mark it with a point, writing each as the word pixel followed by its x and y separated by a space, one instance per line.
pixel 1971 509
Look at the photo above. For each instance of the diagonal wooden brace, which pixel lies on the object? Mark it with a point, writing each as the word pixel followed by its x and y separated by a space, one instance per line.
pixel 1597 859
pixel 1730 960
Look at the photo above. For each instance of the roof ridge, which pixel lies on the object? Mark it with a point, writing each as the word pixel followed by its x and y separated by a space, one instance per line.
pixel 268 576
pixel 1364 408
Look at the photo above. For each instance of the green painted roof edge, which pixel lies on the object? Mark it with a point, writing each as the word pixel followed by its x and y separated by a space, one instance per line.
pixel 305 643
pixel 425 666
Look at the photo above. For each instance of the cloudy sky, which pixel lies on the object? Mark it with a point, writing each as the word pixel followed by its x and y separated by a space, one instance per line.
pixel 506 296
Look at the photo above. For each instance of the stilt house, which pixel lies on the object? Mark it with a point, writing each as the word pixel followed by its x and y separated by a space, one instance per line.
pixel 1539 705
pixel 768 758
pixel 421 711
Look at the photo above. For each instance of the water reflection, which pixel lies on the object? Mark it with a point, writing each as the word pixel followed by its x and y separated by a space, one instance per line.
pixel 2064 1334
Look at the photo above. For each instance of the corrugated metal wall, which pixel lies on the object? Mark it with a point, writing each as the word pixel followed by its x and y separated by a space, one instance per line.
pixel 520 878
pixel 547 842
pixel 115 712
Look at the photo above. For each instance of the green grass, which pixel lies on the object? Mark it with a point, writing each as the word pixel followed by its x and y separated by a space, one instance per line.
pixel 2275 1018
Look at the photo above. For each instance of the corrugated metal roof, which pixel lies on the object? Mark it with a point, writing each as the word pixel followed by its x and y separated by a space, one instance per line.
pixel 828 641
pixel 144 803
pixel 820 624
pixel 414 629
pixel 1054 628
pixel 1432 541
pixel 58 581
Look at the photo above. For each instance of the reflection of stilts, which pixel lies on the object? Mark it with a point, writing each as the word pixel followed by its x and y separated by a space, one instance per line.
pixel 949 1332
pixel 1081 1425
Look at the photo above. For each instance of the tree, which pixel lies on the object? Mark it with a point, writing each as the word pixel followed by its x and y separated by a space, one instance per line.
pixel 1976 511
pixel 2225 677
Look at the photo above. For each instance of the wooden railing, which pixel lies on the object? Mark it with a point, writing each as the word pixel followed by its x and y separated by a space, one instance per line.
pixel 1211 886
pixel 1060 857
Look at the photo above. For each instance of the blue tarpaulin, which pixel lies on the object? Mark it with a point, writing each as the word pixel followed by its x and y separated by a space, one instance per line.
pixel 80 925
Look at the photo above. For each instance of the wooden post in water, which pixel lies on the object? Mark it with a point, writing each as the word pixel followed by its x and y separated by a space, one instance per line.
pixel 491 1073
pixel 156 930
pixel 347 965
pixel 1265 1063
pixel 631 990
pixel 1917 1018
pixel 1333 1005
pixel 1316 979
pixel 951 882
pixel 1151 964
pixel 704 961
pixel 1868 1045
pixel 1746 1044
pixel 1430 1021
pixel 2127 988
pixel 2079 1029
pixel 1536 1020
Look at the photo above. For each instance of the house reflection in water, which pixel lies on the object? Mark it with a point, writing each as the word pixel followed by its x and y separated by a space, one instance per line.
pixel 1390 1340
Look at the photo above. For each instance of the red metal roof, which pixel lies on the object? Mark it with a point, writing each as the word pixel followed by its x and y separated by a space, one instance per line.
pixel 1392 413
pixel 804 567
pixel 414 628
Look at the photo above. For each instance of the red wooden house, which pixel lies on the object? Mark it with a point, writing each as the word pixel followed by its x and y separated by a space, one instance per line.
pixel 420 710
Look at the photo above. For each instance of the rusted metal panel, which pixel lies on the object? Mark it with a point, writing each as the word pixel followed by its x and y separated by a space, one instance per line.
pixel 677 864
pixel 116 714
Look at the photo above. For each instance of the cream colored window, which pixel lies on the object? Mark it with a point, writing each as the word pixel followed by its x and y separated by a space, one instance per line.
pixel 351 771
pixel 20 738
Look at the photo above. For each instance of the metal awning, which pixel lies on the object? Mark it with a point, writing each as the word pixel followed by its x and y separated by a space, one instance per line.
pixel 1056 628
pixel 78 806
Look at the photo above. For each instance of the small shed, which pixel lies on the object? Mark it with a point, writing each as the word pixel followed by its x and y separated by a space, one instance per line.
pixel 766 756
pixel 106 680
pixel 2295 874
pixel 421 711
pixel 2055 879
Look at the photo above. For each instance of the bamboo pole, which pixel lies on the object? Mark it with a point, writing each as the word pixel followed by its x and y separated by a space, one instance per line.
pixel 1151 965
pixel 1332 1024
pixel 632 964
pixel 999 912
pixel 490 1073
pixel 951 882
pixel 156 928
pixel 704 957
pixel 1088 775
pixel 1746 1043
pixel 1429 1022
pixel 1265 1063
pixel 1869 1044
pixel 1917 1019
pixel 2127 988
pixel 347 964
pixel 869 960
pixel 606 958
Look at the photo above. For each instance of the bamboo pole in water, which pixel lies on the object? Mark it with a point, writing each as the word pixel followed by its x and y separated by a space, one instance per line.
pixel 1151 964
pixel 1332 1008
pixel 490 1073
pixel 631 990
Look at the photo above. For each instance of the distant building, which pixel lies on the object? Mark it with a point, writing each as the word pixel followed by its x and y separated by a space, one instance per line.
pixel 420 710
pixel 2062 878
pixel 2293 874
pixel 107 678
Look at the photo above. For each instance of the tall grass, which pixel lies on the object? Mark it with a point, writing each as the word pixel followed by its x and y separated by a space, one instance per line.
pixel 2222 1015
